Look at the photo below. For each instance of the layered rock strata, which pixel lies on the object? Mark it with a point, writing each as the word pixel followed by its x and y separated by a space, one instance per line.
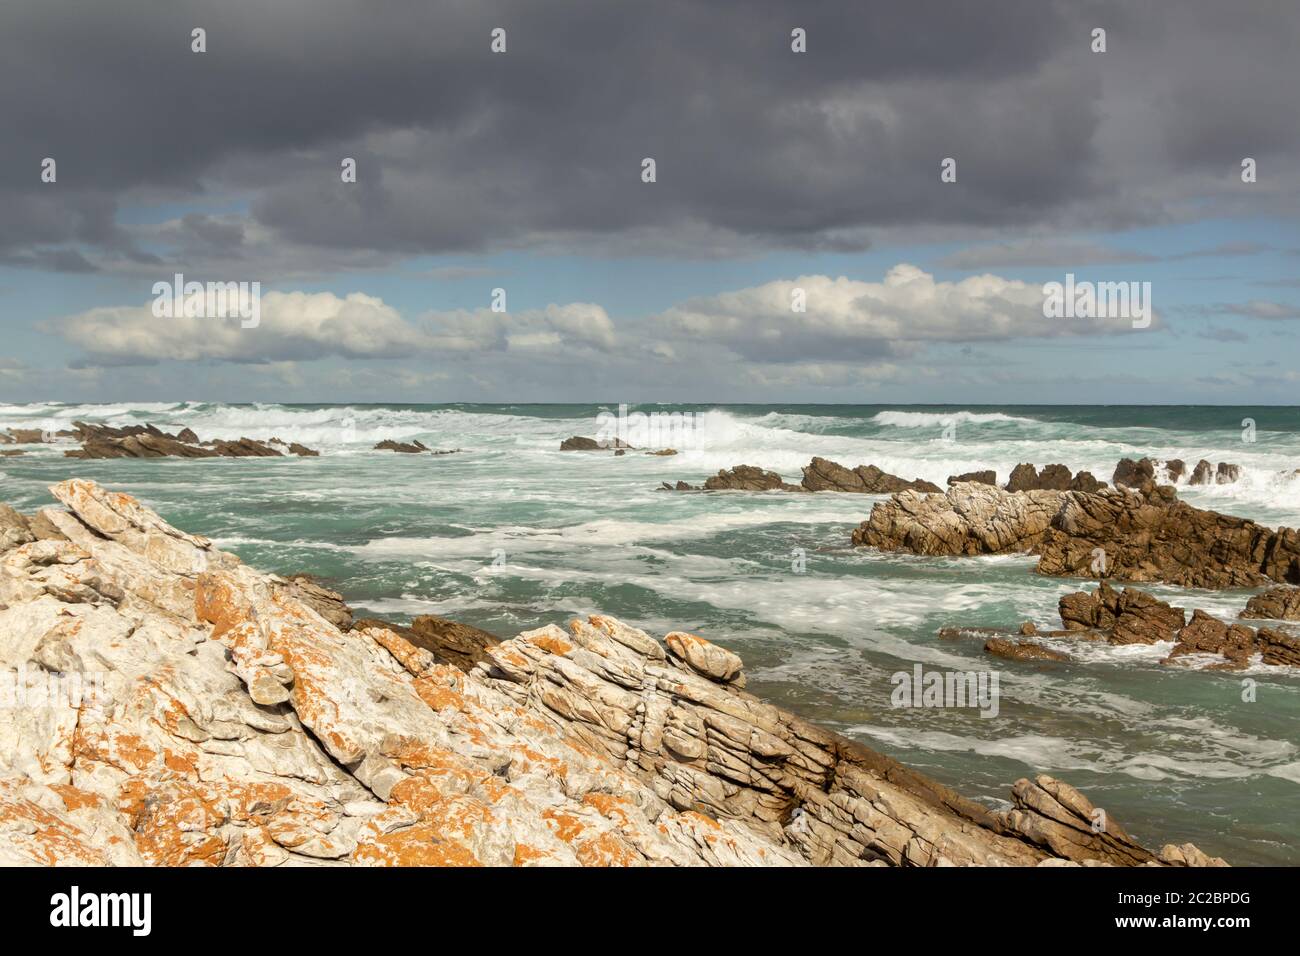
pixel 181 708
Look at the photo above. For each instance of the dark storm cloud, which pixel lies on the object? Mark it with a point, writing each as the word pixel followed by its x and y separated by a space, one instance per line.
pixel 461 150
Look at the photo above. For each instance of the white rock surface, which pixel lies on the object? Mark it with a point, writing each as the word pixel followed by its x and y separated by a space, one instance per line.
pixel 168 705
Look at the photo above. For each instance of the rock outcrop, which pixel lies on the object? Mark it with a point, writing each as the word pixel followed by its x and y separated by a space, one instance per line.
pixel 1025 477
pixel 988 477
pixel 1135 617
pixel 743 478
pixel 1277 604
pixel 1155 537
pixel 968 519
pixel 450 642
pixel 582 443
pixel 1114 532
pixel 406 448
pixel 194 711
pixel 822 474
pixel 148 441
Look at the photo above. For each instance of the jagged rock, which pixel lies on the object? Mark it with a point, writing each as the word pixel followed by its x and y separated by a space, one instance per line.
pixel 1083 611
pixel 1129 616
pixel 1025 477
pixel 581 443
pixel 327 603
pixel 450 642
pixel 1208 635
pixel 1175 468
pixel 981 477
pixel 147 441
pixel 593 746
pixel 1134 474
pixel 1226 474
pixel 27 436
pixel 302 451
pixel 1155 537
pixel 967 519
pixel 1141 618
pixel 705 658
pixel 1278 647
pixel 1277 604
pixel 1085 482
pixel 1022 650
pixel 822 474
pixel 748 478
pixel 14 529
pixel 1202 474
pixel 407 448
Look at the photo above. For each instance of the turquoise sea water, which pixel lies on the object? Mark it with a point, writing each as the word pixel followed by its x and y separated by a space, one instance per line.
pixel 510 533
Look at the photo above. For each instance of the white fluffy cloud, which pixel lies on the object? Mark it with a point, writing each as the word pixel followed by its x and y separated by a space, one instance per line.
pixel 301 326
pixel 848 319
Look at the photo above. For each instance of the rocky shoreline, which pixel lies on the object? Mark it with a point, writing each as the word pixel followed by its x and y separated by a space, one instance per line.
pixel 242 718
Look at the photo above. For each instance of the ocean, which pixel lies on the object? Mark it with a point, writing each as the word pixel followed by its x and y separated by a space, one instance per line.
pixel 509 533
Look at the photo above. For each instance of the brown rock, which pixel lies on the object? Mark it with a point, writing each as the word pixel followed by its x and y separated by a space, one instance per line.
pixel 1175 468
pixel 1143 619
pixel 1226 473
pixel 1279 647
pixel 450 642
pixel 1202 474
pixel 1024 477
pixel 822 474
pixel 406 448
pixel 1022 650
pixel 1084 481
pixel 1155 537
pixel 1134 474
pixel 1208 635
pixel 748 478
pixel 27 436
pixel 1277 604
pixel 988 477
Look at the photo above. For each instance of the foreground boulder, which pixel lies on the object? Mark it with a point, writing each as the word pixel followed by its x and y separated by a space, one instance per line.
pixel 220 719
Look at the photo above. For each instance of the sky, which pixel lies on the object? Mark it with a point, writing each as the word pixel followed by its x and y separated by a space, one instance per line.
pixel 517 178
